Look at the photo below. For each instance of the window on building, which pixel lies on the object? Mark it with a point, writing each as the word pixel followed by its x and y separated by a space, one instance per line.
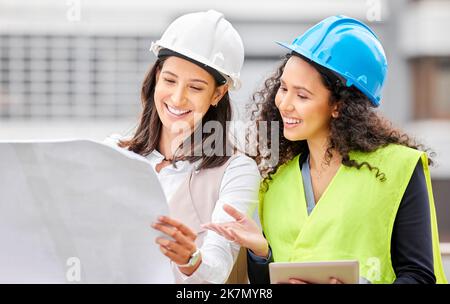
pixel 67 76
pixel 431 87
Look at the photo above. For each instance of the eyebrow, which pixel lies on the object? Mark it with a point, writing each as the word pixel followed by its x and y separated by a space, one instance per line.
pixel 299 87
pixel 194 79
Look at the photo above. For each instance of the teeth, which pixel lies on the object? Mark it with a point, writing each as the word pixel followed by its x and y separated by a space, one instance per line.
pixel 176 111
pixel 291 120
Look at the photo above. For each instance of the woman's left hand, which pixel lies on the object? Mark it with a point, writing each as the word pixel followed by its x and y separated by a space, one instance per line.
pixel 180 249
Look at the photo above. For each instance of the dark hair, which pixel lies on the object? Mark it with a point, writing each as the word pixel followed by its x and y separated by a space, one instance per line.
pixel 148 132
pixel 358 127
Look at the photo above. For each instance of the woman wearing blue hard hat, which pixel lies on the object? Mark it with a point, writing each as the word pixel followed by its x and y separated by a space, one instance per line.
pixel 348 186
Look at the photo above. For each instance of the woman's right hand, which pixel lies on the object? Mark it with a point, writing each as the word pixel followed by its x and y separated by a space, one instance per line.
pixel 243 231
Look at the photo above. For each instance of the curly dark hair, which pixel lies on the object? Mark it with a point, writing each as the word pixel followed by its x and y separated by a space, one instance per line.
pixel 358 127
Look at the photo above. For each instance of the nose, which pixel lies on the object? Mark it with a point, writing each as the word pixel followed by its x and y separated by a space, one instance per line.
pixel 285 103
pixel 178 96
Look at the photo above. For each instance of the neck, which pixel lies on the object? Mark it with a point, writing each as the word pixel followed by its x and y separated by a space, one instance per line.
pixel 317 153
pixel 168 142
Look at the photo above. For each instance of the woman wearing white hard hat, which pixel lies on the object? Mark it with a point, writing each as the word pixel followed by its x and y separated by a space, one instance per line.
pixel 199 58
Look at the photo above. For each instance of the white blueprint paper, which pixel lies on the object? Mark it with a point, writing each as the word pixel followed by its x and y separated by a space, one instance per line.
pixel 78 211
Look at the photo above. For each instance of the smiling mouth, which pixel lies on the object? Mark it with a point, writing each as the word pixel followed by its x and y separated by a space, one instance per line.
pixel 291 121
pixel 176 112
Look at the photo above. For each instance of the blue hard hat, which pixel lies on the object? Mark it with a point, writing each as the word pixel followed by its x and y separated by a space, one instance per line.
pixel 349 48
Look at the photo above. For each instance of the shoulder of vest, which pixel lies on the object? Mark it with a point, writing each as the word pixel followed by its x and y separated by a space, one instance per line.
pixel 289 165
pixel 220 170
pixel 279 175
pixel 394 152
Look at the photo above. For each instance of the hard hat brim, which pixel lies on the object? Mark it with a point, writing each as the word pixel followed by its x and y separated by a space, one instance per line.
pixel 349 79
pixel 233 80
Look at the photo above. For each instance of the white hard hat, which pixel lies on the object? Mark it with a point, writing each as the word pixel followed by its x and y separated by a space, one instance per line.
pixel 208 38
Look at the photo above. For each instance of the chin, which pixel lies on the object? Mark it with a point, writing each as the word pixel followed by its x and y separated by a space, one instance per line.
pixel 176 127
pixel 294 137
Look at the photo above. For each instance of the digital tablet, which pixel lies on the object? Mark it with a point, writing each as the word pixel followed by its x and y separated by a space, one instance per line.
pixel 315 272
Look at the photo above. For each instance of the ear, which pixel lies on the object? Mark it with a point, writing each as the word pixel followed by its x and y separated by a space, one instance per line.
pixel 219 92
pixel 335 110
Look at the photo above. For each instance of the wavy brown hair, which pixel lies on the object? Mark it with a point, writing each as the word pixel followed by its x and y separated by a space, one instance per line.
pixel 358 126
pixel 148 133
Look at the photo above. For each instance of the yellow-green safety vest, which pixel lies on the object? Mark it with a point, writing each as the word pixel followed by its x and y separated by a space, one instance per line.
pixel 354 218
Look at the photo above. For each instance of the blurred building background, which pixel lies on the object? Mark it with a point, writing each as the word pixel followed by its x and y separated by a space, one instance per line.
pixel 74 68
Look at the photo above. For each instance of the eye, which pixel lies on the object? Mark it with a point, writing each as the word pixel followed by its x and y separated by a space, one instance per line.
pixel 198 89
pixel 302 96
pixel 169 80
pixel 283 89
